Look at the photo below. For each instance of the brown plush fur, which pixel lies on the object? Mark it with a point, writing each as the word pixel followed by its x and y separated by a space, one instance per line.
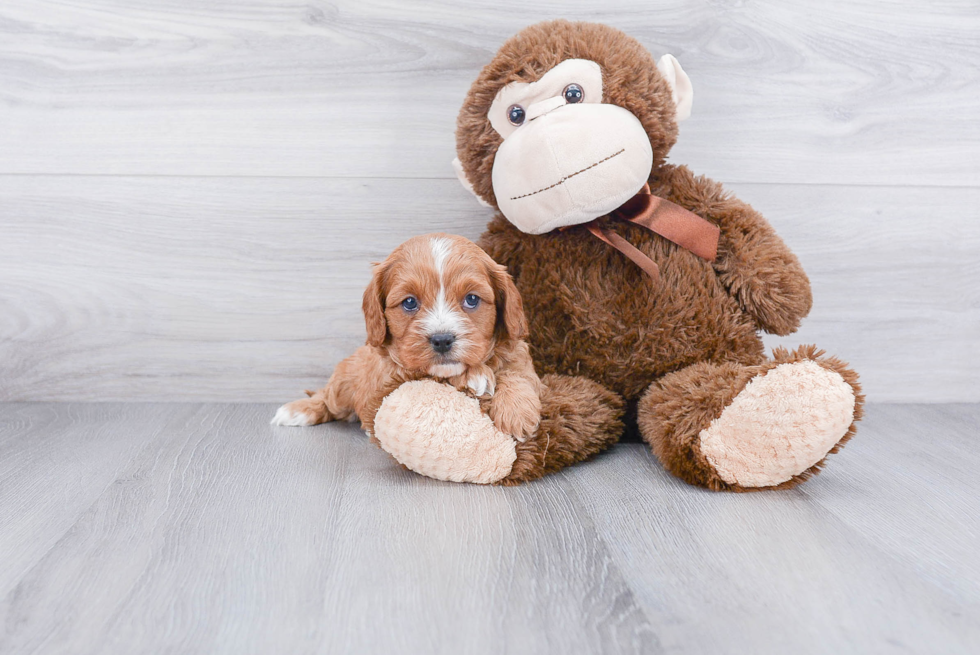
pixel 579 419
pixel 691 337
pixel 593 312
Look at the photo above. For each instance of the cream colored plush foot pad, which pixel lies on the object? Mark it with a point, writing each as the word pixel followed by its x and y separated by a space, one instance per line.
pixel 439 432
pixel 779 425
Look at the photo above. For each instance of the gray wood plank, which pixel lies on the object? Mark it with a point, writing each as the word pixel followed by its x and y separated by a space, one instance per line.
pixel 844 92
pixel 230 536
pixel 55 462
pixel 228 289
pixel 894 274
pixel 908 486
pixel 176 288
pixel 877 554
pixel 208 531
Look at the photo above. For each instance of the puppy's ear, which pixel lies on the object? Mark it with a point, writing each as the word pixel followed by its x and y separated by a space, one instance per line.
pixel 373 306
pixel 511 322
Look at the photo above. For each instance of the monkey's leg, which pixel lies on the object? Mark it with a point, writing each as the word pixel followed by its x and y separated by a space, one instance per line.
pixel 579 418
pixel 435 430
pixel 740 428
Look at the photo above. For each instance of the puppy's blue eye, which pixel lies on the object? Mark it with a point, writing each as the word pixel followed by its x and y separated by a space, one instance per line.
pixel 515 114
pixel 573 93
pixel 410 304
pixel 471 301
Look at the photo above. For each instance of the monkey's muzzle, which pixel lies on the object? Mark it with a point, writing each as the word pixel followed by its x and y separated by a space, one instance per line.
pixel 570 166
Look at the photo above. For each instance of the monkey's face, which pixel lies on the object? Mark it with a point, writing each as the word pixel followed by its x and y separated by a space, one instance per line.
pixel 568 150
pixel 566 157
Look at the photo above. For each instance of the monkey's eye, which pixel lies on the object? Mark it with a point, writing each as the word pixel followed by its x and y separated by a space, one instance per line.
pixel 515 115
pixel 410 304
pixel 471 301
pixel 573 93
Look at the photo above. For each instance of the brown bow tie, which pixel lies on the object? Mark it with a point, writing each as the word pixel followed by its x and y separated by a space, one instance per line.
pixel 669 220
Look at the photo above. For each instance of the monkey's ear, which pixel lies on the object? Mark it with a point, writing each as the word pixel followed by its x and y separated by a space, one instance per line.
pixel 374 308
pixel 680 85
pixel 461 174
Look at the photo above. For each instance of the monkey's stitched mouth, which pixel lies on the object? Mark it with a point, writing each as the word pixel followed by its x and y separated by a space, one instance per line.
pixel 571 175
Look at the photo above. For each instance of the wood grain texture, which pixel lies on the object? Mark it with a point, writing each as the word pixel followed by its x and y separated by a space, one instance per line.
pixel 841 92
pixel 895 282
pixel 172 528
pixel 225 535
pixel 57 461
pixel 882 534
pixel 225 289
pixel 190 192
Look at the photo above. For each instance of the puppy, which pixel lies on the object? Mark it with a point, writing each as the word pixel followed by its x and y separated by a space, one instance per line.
pixel 437 307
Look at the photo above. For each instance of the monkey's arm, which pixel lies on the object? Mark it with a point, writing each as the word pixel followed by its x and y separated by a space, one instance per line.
pixel 753 263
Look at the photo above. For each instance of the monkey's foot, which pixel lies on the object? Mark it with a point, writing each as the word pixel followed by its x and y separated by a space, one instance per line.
pixel 740 427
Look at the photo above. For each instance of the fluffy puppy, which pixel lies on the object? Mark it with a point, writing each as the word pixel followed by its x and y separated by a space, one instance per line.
pixel 437 307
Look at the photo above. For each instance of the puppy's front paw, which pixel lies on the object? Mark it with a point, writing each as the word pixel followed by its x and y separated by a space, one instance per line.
pixel 300 413
pixel 481 385
pixel 518 419
pixel 478 382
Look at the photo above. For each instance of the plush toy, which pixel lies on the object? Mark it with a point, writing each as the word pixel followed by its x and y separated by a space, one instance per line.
pixel 635 273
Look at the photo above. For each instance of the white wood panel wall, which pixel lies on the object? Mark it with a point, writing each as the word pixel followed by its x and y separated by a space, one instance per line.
pixel 190 191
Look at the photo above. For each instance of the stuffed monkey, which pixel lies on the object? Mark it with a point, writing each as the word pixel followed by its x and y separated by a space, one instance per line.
pixel 637 274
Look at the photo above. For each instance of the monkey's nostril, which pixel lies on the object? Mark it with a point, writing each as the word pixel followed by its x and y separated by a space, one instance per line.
pixel 442 343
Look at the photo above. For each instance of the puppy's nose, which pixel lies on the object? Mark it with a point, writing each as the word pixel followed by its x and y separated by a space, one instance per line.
pixel 442 343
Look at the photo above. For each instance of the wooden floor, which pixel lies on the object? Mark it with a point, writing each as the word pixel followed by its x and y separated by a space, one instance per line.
pixel 178 528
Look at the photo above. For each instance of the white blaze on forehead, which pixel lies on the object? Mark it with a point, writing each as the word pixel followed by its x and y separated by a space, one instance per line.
pixel 441 247
pixel 441 318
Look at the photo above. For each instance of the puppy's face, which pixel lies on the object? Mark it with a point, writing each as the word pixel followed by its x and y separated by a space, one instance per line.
pixel 440 304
